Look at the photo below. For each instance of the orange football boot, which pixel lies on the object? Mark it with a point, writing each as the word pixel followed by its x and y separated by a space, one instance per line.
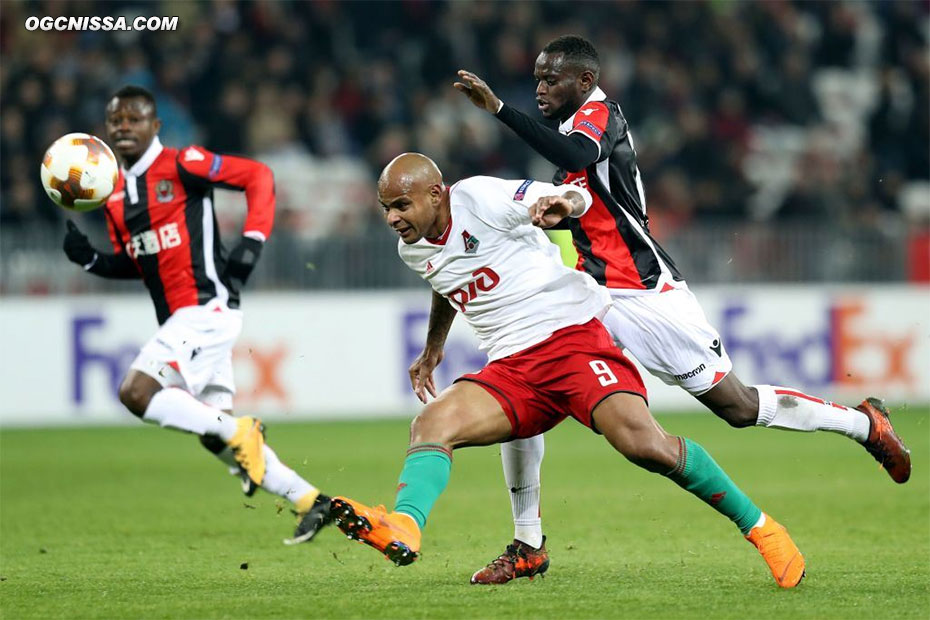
pixel 883 443
pixel 394 534
pixel 779 552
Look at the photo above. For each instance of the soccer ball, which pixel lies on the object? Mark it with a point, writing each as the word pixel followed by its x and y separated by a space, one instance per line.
pixel 79 172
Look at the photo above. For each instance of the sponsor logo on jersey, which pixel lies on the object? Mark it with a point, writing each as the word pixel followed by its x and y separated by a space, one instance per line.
pixel 215 166
pixel 717 347
pixel 429 266
pixel 588 111
pixel 485 279
pixel 521 192
pixel 471 242
pixel 150 242
pixel 691 373
pixel 192 154
pixel 591 127
pixel 164 191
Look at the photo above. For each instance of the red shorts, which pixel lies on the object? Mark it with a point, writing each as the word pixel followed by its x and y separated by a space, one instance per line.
pixel 569 373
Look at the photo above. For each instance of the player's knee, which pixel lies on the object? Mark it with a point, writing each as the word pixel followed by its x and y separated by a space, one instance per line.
pixel 134 396
pixel 435 424
pixel 655 453
pixel 741 412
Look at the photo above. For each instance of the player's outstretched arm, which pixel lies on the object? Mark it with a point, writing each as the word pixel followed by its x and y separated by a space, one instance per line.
pixel 80 251
pixel 441 315
pixel 573 152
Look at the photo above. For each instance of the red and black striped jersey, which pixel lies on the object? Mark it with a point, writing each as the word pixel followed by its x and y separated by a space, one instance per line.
pixel 161 215
pixel 612 238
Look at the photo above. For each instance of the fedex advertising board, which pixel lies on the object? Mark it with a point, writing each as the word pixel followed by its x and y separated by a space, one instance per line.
pixel 311 356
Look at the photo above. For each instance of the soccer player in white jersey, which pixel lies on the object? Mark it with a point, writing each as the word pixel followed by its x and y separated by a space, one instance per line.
pixel 550 356
pixel 654 315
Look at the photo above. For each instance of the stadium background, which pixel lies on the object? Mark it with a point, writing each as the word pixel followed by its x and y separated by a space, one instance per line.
pixel 784 150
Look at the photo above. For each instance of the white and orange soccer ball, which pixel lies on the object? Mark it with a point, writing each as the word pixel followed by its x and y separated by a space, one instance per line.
pixel 79 172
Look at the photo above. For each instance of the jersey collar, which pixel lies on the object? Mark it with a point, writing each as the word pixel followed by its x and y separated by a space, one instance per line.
pixel 596 95
pixel 441 239
pixel 149 156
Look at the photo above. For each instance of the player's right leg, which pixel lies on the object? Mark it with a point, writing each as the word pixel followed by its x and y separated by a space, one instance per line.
pixel 627 424
pixel 465 414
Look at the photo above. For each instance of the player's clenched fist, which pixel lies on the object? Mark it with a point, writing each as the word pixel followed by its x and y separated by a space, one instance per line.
pixel 477 91
pixel 76 246
pixel 550 210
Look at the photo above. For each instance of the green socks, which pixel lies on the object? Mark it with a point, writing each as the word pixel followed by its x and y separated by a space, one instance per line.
pixel 698 473
pixel 424 477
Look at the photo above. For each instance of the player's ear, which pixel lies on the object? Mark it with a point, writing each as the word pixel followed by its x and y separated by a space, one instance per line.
pixel 156 124
pixel 435 192
pixel 586 81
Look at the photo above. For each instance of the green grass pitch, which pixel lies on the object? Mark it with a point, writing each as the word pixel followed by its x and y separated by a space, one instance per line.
pixel 139 522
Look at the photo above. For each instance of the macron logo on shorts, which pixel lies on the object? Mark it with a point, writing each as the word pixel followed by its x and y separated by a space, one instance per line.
pixel 521 192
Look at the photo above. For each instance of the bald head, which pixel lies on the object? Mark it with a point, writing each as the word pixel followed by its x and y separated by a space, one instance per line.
pixel 414 200
pixel 408 173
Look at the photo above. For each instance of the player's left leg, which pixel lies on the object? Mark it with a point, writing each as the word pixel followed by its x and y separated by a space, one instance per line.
pixel 465 414
pixel 627 424
pixel 521 460
pixel 309 505
pixel 788 408
pixel 526 556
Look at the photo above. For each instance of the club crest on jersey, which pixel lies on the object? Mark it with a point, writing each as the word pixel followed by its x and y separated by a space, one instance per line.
pixel 471 242
pixel 164 191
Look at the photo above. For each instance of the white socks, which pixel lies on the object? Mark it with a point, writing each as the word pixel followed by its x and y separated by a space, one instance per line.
pixel 175 408
pixel 282 480
pixel 788 408
pixel 521 459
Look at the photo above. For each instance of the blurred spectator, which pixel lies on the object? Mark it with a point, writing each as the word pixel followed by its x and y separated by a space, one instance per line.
pixel 359 82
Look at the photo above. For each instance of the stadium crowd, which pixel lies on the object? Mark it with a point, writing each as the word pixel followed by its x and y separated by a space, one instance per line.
pixel 741 111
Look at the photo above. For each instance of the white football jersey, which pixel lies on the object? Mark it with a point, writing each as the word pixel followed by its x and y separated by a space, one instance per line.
pixel 501 272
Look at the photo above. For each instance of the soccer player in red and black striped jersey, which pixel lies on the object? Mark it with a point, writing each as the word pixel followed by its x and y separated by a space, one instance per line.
pixel 163 229
pixel 654 315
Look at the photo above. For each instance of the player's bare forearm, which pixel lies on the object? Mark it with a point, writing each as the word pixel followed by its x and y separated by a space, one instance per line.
pixel 550 210
pixel 441 315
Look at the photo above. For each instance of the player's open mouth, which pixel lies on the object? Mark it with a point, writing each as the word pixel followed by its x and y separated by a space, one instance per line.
pixel 402 231
pixel 542 105
pixel 126 142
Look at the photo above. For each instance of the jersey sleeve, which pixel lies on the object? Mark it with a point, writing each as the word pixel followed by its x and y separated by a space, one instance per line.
pixel 504 204
pixel 591 121
pixel 238 173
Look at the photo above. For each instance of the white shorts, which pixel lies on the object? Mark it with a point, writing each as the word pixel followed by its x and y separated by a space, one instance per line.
pixel 670 336
pixel 193 351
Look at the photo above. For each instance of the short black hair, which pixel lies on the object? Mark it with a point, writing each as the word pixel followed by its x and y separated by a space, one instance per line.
pixel 131 90
pixel 577 51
